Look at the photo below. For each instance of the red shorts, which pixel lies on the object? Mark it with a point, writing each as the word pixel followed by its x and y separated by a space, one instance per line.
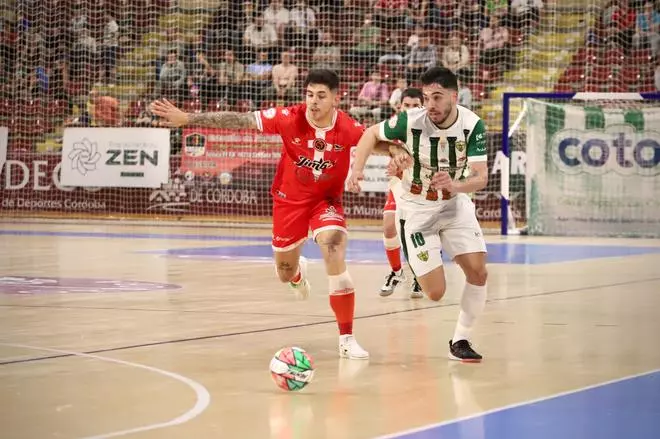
pixel 291 223
pixel 390 204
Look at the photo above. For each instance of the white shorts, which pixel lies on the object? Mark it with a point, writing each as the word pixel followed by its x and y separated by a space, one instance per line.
pixel 425 232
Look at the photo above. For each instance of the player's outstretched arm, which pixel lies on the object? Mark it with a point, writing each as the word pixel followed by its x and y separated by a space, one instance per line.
pixel 175 117
pixel 365 147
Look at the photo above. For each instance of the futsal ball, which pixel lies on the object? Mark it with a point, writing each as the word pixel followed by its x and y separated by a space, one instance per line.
pixel 291 368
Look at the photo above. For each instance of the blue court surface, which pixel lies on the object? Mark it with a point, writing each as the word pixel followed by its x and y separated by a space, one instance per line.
pixel 359 250
pixel 372 251
pixel 624 409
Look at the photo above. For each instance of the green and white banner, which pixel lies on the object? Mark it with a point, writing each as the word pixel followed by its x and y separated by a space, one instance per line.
pixel 593 170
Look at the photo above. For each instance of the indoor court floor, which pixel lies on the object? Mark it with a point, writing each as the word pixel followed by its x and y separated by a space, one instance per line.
pixel 148 331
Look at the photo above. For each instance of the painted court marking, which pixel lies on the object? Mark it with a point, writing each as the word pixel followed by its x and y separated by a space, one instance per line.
pixel 202 395
pixel 428 428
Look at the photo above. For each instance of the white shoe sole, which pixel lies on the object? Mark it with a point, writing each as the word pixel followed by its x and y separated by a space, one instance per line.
pixel 346 355
pixel 455 358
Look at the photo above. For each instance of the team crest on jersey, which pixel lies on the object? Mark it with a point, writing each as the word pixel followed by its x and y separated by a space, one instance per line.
pixel 460 145
pixel 393 120
pixel 423 256
pixel 269 113
pixel 319 144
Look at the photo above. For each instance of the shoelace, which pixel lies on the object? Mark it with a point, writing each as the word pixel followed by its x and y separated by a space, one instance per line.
pixel 389 278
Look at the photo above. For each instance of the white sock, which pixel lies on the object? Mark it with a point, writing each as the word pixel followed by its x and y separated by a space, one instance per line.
pixel 472 305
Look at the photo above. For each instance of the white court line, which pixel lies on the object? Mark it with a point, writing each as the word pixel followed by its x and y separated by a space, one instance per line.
pixel 513 406
pixel 203 396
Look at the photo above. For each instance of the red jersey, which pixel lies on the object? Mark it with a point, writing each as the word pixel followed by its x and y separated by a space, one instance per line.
pixel 315 161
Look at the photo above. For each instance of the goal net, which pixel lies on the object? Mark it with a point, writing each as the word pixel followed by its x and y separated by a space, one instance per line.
pixel 72 64
pixel 592 164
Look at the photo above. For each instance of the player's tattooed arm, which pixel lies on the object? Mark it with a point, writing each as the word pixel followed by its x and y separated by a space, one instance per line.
pixel 224 119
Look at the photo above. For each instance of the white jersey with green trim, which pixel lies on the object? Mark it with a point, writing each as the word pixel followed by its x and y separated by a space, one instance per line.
pixel 434 149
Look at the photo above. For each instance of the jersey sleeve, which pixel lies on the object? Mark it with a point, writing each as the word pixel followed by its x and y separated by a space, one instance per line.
pixel 396 128
pixel 269 121
pixel 476 147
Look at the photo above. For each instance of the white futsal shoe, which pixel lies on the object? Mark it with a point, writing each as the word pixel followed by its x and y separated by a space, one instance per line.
pixel 391 281
pixel 349 348
pixel 416 292
pixel 302 288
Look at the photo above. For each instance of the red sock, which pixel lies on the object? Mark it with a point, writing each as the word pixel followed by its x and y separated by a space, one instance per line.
pixel 296 279
pixel 394 257
pixel 343 305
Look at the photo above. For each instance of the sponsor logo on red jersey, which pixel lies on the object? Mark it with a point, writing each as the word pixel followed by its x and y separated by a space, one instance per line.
pixel 318 165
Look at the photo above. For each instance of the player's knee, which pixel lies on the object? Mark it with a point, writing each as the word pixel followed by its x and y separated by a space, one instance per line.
pixel 433 287
pixel 389 229
pixel 332 243
pixel 436 293
pixel 477 276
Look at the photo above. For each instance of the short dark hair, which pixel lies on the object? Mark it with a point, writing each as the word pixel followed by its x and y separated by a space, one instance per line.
pixel 441 76
pixel 412 92
pixel 324 77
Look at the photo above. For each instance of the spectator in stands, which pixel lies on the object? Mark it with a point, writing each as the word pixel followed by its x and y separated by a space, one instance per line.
pixel 421 58
pixel 456 57
pixel 225 81
pixel 472 18
pixel 198 67
pixel 367 43
pixel 103 109
pixel 225 30
pixel 109 49
pixel 372 98
pixel 260 37
pixel 284 86
pixel 277 16
pixel 464 95
pixel 443 14
pixel 494 41
pixel 390 14
pixel 172 80
pixel 525 14
pixel 79 20
pixel 648 28
pixel 497 8
pixel 7 51
pixel 415 15
pixel 622 27
pixel 258 76
pixel 395 97
pixel 302 27
pixel 656 77
pixel 413 40
pixel 327 55
pixel 173 41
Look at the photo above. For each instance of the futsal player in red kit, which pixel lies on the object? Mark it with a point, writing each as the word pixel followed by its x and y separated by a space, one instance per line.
pixel 307 189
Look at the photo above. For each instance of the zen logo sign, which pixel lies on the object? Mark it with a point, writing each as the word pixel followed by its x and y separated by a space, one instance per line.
pixel 133 157
pixel 115 157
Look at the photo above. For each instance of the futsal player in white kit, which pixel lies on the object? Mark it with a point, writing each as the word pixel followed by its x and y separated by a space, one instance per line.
pixel 441 143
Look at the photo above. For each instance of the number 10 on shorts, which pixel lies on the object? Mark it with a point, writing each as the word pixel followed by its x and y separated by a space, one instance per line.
pixel 417 239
